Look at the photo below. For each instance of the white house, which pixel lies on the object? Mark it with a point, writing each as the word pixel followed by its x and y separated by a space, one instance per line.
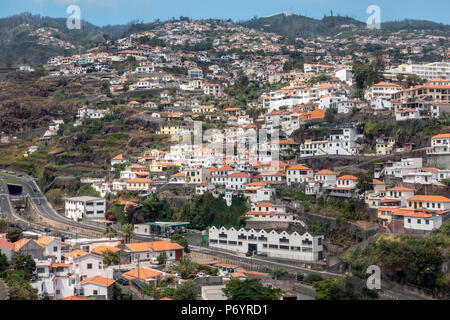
pixel 298 174
pixel 440 144
pixel 342 141
pixel 408 114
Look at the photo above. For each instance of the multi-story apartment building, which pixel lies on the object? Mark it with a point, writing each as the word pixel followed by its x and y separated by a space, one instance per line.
pixel 342 141
pixel 85 207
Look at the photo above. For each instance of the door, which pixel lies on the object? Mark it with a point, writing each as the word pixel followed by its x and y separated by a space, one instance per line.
pixel 252 247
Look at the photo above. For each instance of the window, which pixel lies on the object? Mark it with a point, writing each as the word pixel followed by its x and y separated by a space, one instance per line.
pixel 55 249
pixel 89 265
pixel 427 221
pixel 419 221
pixel 95 292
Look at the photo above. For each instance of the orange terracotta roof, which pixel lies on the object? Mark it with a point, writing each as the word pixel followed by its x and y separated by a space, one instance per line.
pixel 298 167
pixel 76 253
pixel 118 157
pixel 376 181
pixel 347 177
pixel 74 298
pixel 142 274
pixel 164 245
pixel 427 198
pixel 142 180
pixel 441 136
pixel 239 175
pixel 106 282
pixel 325 172
pixel 385 84
pixel 45 240
pixel 400 189
pixel 6 244
pixel 102 248
pixel 237 275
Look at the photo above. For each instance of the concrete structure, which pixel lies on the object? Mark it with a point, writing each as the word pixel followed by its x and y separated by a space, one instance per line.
pixel 292 246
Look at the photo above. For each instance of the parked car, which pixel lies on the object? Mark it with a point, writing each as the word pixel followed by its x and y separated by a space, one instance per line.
pixel 261 254
pixel 47 230
pixel 123 281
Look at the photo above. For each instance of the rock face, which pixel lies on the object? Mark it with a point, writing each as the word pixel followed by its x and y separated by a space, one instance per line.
pixel 29 104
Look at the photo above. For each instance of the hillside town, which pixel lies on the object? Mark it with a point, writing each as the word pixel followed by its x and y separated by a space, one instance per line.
pixel 198 152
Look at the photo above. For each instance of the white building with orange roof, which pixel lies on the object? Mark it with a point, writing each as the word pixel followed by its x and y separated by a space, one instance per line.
pixel 258 192
pixel 399 194
pixel 407 114
pixel 146 251
pixel 139 184
pixel 440 144
pixel 97 287
pixel 381 89
pixel 272 177
pixel 237 181
pixel 178 178
pixel 297 174
pixel 119 159
pixel 346 187
pixel 439 204
pixel 53 247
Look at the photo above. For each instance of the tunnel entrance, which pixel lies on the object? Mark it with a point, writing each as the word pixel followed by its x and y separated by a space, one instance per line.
pixel 14 189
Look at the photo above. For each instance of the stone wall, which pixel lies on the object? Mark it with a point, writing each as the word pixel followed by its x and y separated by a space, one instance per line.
pixel 439 161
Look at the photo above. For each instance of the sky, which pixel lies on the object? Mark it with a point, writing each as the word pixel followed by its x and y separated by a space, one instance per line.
pixel 104 12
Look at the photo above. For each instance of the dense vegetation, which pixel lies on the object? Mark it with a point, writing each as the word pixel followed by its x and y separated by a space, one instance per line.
pixel 415 261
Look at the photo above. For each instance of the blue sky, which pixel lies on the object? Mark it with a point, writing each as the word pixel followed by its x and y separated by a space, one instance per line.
pixel 103 12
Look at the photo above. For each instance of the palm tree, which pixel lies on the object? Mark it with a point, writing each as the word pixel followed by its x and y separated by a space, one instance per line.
pixel 128 231
pixel 110 232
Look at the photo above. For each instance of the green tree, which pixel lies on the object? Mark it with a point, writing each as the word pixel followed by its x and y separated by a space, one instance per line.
pixel 185 267
pixel 24 263
pixel 19 286
pixel 3 262
pixel 128 232
pixel 3 225
pixel 110 258
pixel 250 289
pixel 187 291
pixel 343 288
pixel 110 232
pixel 279 272
pixel 182 241
pixel 312 277
pixel 162 258
pixel 13 234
